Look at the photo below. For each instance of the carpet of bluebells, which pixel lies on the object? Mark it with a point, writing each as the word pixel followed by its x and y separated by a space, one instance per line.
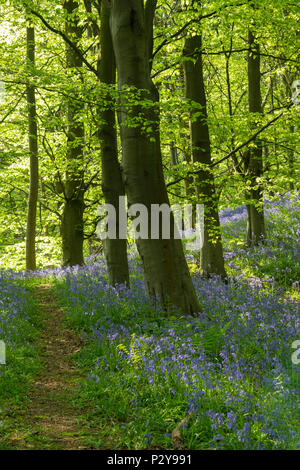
pixel 228 369
pixel 278 258
pixel 18 330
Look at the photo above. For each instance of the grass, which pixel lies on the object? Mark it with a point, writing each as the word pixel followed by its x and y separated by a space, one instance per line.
pixel 140 382
pixel 229 369
pixel 19 326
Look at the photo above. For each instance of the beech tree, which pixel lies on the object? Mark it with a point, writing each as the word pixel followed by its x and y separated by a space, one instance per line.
pixel 211 260
pixel 254 155
pixel 33 155
pixel 115 250
pixel 166 273
pixel 72 217
pixel 156 100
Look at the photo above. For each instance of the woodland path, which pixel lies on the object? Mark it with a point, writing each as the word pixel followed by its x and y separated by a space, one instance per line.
pixel 50 420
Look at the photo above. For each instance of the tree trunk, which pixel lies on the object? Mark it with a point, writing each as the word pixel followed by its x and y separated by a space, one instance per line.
pixel 291 159
pixel 255 166
pixel 34 165
pixel 185 150
pixel 115 251
pixel 72 219
pixel 290 154
pixel 167 277
pixel 211 259
pixel 249 228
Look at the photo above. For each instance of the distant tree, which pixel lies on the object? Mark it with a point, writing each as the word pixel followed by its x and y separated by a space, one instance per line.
pixel 211 260
pixel 33 152
pixel 254 155
pixel 72 218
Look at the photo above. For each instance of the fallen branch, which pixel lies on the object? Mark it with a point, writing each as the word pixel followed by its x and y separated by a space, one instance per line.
pixel 177 439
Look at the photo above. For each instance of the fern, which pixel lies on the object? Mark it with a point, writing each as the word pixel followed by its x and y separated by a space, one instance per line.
pixel 213 338
pixel 133 352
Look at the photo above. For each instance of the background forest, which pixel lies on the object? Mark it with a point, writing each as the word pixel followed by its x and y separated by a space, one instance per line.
pixel 165 102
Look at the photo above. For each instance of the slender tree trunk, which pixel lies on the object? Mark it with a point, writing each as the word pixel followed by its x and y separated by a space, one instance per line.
pixel 34 166
pixel 72 219
pixel 249 228
pixel 167 277
pixel 185 148
pixel 44 227
pixel 291 159
pixel 211 260
pixel 255 167
pixel 115 251
pixel 290 154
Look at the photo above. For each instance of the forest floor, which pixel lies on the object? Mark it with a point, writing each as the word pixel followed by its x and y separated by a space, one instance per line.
pixel 50 420
pixel 88 366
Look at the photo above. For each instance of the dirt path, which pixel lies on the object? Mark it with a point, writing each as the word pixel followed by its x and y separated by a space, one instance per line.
pixel 51 420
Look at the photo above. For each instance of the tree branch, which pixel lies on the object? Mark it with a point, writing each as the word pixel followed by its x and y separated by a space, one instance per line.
pixel 184 27
pixel 66 39
pixel 234 151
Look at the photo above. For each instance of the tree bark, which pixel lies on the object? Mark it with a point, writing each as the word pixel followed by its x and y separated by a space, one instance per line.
pixel 288 80
pixel 211 259
pixel 72 219
pixel 167 277
pixel 34 165
pixel 255 165
pixel 115 251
